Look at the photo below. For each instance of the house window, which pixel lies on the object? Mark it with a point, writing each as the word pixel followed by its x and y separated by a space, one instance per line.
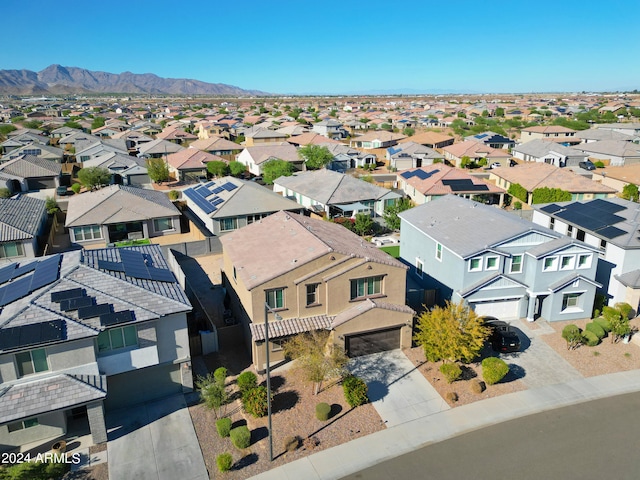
pixel 584 261
pixel 364 287
pixel 277 345
pixel 91 232
pixel 603 245
pixel 570 230
pixel 516 264
pixel 162 224
pixel 570 300
pixel 492 263
pixel 567 262
pixel 256 218
pixel 227 224
pixel 552 222
pixel 419 267
pixel 312 294
pixel 439 251
pixel 16 426
pixel 234 274
pixel 475 264
pixel 550 264
pixel 117 338
pixel 33 361
pixel 11 249
pixel 275 298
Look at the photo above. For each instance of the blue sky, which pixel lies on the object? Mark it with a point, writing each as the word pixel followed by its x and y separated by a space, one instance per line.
pixel 338 47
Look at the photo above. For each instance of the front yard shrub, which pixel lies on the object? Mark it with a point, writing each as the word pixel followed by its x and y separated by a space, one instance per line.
pixel 624 309
pixel 451 397
pixel 517 205
pixel 220 375
pixel 247 381
pixel 76 187
pixel 573 336
pixel 34 471
pixel 291 443
pixel 240 437
pixel 224 461
pixel 597 330
pixel 322 411
pixel 476 386
pixel 223 426
pixel 493 370
pixel 451 371
pixel 255 401
pixel 590 338
pixel 604 323
pixel 173 194
pixel 355 391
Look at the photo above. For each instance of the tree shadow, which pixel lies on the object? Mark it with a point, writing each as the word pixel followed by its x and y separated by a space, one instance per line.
pixel 377 390
pixel 285 400
pixel 245 461
pixel 238 423
pixel 336 408
pixel 276 382
pixel 258 434
pixel 467 373
pixel 516 372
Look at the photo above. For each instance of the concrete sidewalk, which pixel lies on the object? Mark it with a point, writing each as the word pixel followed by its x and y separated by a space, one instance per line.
pixel 364 452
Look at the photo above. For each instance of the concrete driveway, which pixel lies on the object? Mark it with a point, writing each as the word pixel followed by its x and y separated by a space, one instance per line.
pixel 397 390
pixel 154 441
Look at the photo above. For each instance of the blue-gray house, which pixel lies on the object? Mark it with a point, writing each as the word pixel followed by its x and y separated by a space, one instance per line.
pixel 498 263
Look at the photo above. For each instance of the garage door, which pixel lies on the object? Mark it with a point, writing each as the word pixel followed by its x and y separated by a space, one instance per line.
pixel 373 342
pixel 40 183
pixel 142 385
pixel 138 179
pixel 502 309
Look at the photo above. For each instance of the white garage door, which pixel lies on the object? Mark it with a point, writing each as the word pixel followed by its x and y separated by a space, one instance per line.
pixel 502 309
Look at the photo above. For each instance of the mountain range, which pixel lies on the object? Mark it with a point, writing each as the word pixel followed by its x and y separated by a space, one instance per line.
pixel 56 79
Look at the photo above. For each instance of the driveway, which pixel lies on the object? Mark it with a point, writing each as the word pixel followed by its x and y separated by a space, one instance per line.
pixel 154 441
pixel 397 390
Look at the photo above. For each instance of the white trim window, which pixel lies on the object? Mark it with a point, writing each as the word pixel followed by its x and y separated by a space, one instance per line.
pixel 567 262
pixel 11 249
pixel 419 267
pixel 23 424
pixel 475 264
pixel 550 264
pixel 163 224
pixel 571 302
pixel 90 232
pixel 275 298
pixel 516 264
pixel 228 224
pixel 584 260
pixel 439 252
pixel 492 263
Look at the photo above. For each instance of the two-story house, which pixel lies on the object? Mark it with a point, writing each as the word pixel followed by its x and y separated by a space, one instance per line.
pixel 498 263
pixel 330 128
pixel 553 133
pixel 315 275
pixel 23 222
pixel 87 331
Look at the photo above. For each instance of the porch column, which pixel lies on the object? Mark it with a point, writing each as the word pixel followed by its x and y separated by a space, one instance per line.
pixel 531 308
pixel 95 413
pixel 145 229
pixel 501 202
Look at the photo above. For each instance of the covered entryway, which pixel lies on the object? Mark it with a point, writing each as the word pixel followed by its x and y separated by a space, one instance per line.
pixel 142 385
pixel 502 309
pixel 372 342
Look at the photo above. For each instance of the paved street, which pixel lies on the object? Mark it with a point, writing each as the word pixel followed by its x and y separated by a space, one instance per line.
pixel 587 441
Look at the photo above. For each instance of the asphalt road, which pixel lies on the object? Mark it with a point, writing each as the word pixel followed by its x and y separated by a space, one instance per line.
pixel 594 440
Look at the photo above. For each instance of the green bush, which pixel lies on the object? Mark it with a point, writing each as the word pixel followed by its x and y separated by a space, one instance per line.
pixel 173 194
pixel 518 191
pixel 247 381
pixel 322 411
pixel 573 336
pixel 223 426
pixel 224 461
pixel 599 164
pixel 34 471
pixel 451 371
pixel 5 192
pixel 597 330
pixel 476 386
pixel 493 370
pixel 624 309
pixel 291 443
pixel 604 323
pixel 220 375
pixel 517 205
pixel 76 187
pixel 240 437
pixel 255 401
pixel 355 391
pixel 590 338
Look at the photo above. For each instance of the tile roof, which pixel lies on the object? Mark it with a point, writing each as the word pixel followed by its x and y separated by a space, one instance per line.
pixel 191 158
pixel 540 147
pixel 473 149
pixel 215 144
pixel 20 217
pixel 427 138
pixel 310 138
pixel 290 326
pixel 269 151
pixel 29 166
pixel 435 174
pixel 365 306
pixel 548 129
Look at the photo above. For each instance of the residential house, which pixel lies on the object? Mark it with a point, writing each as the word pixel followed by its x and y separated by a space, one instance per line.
pixel 116 213
pixel 543 151
pixel 218 146
pixel 133 139
pixel 598 134
pixel 29 173
pixel 125 169
pixel 496 262
pixel 23 221
pixel 376 139
pixel 430 139
pixel 631 128
pixel 87 151
pixel 345 158
pixel 158 148
pixel 87 331
pixel 618 177
pixel 554 133
pixel 412 155
pixel 430 182
pixel 189 164
pixel 613 152
pixel 333 194
pixel 177 135
pixel 540 175
pixel 229 203
pixel 330 128
pixel 313 275
pixel 19 141
pixel 493 140
pixel 255 157
pixel 263 136
pixel 46 152
pixel 311 138
pixel 476 152
pixel 610 226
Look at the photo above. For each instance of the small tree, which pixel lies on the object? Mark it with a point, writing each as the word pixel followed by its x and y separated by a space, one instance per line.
pixel 5 192
pixel 391 212
pixel 213 394
pixel 573 336
pixel 363 224
pixel 94 177
pixel 51 205
pixel 315 156
pixel 276 168
pixel 218 168
pixel 76 187
pixel 237 169
pixel 630 192
pixel 255 401
pixel 453 333
pixel 316 357
pixel 158 170
pixel 408 131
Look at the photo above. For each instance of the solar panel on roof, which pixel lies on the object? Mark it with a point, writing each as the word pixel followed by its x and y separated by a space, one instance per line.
pixel 229 186
pixel 66 294
pixel 217 190
pixel 94 311
pixel 161 275
pixel 464 185
pixel 33 334
pixel 76 303
pixel 202 203
pixel 217 201
pixel 16 289
pixel 22 269
pixel 115 318
pixel 134 264
pixel 47 271
pixel 6 273
pixel 606 206
pixel 112 266
pixel 611 232
pixel 552 208
pixel 209 185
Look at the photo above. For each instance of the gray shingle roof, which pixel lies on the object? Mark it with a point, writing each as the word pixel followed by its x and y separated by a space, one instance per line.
pixel 20 217
pixel 30 166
